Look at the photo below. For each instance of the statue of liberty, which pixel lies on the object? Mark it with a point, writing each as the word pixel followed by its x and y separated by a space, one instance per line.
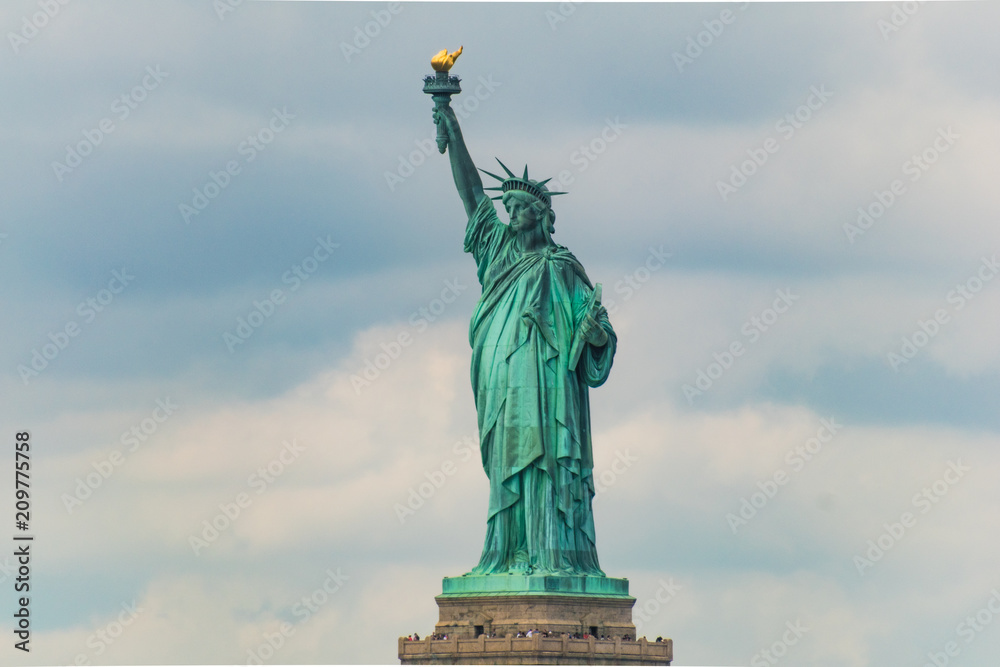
pixel 540 339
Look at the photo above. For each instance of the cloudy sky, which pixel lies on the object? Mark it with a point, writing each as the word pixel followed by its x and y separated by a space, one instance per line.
pixel 235 294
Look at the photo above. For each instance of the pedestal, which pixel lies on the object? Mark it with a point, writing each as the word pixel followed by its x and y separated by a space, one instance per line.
pixel 481 616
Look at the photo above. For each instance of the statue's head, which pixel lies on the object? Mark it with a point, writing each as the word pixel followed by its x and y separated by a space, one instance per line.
pixel 526 211
pixel 530 198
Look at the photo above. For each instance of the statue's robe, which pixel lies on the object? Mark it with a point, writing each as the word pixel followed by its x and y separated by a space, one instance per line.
pixel 534 413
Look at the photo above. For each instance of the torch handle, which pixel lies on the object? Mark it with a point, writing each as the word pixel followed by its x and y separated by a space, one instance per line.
pixel 440 102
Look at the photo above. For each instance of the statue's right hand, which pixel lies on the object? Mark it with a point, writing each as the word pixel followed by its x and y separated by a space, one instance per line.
pixel 447 116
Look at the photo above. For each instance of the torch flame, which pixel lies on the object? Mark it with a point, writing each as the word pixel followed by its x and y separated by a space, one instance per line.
pixel 443 61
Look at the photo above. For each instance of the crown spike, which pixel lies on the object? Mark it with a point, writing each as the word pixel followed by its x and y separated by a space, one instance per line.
pixel 509 172
pixel 541 183
pixel 525 177
pixel 499 178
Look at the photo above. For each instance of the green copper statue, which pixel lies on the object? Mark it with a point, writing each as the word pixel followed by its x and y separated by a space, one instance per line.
pixel 539 339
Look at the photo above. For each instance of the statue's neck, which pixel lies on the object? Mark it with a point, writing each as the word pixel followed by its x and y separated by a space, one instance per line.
pixel 531 240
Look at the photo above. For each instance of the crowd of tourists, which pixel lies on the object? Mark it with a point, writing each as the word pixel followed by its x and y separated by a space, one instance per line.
pixel 574 635
pixel 415 637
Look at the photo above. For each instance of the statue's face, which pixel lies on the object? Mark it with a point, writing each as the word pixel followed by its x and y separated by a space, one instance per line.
pixel 523 215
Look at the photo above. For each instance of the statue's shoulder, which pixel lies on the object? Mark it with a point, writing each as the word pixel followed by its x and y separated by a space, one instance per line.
pixel 486 215
pixel 563 253
pixel 569 261
pixel 485 208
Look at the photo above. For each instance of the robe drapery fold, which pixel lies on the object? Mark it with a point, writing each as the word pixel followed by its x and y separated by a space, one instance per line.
pixel 534 413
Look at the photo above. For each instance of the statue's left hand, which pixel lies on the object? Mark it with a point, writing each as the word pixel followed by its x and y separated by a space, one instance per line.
pixel 592 331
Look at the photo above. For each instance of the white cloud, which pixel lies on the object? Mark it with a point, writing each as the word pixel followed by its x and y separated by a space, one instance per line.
pixel 691 470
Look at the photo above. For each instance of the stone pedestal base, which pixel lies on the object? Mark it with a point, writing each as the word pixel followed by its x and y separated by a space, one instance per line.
pixel 536 650
pixel 481 617
pixel 502 615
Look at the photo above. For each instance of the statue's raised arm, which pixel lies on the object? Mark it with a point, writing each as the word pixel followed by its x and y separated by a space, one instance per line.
pixel 441 86
pixel 467 180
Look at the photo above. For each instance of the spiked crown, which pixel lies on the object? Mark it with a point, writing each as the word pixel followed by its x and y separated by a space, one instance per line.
pixel 523 184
